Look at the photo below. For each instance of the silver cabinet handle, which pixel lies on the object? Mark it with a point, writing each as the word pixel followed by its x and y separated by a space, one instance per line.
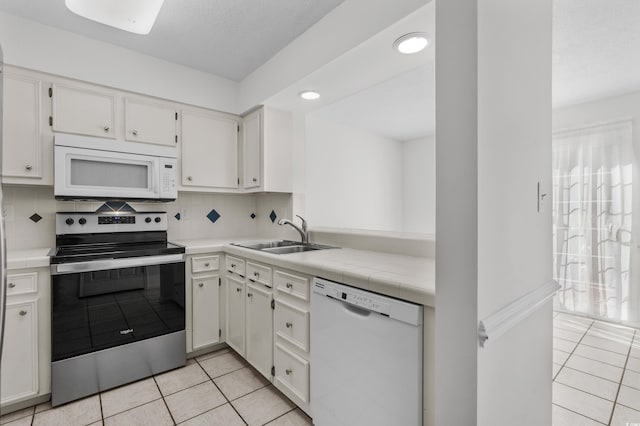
pixel 23 313
pixel 288 371
pixel 11 285
pixel 289 285
pixel 256 274
pixel 134 132
pixel 289 325
pixel 201 285
pixel 28 167
pixel 189 178
pixel 206 264
pixel 233 265
pixel 249 294
pixel 238 289
pixel 106 128
pixel 254 179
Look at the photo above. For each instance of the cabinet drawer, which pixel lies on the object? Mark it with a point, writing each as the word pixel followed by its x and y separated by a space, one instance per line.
pixel 292 372
pixel 293 285
pixel 292 324
pixel 204 263
pixel 235 265
pixel 22 283
pixel 259 273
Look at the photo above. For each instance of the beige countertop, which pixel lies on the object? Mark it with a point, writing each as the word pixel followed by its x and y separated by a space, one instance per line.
pixel 404 277
pixel 29 258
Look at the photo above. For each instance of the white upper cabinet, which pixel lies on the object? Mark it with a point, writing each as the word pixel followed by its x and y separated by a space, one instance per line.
pixel 150 122
pixel 86 111
pixel 22 131
pixel 251 149
pixel 209 150
pixel 267 151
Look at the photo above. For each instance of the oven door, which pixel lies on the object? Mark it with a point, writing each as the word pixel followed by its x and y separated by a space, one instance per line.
pixel 90 173
pixel 101 304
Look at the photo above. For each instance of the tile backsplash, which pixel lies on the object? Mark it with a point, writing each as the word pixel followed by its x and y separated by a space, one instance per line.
pixel 192 216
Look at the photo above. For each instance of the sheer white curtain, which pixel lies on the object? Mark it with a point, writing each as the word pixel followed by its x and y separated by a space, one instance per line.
pixel 592 179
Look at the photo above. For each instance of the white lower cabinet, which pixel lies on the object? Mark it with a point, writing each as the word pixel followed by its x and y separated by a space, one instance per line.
pixel 235 313
pixel 25 370
pixel 292 374
pixel 206 324
pixel 259 328
pixel 203 301
pixel 20 352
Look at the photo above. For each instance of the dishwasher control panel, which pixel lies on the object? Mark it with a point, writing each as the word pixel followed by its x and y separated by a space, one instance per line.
pixel 352 296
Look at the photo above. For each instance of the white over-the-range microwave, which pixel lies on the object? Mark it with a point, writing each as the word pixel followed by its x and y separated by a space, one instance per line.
pixel 98 169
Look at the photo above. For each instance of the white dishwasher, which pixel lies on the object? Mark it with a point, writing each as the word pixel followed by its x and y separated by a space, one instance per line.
pixel 366 358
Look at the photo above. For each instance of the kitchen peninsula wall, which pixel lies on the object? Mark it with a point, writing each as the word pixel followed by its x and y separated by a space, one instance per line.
pixel 30 215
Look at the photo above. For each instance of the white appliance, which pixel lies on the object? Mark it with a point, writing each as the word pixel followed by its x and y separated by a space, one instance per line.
pixel 366 358
pixel 3 245
pixel 95 168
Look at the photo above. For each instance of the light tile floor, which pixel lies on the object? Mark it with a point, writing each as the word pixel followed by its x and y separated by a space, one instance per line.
pixel 216 389
pixel 596 373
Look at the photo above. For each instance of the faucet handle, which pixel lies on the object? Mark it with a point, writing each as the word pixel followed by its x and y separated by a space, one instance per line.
pixel 304 223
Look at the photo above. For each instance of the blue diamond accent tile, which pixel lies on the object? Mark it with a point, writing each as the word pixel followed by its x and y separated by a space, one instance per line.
pixel 253 215
pixel 273 216
pixel 213 216
pixel 35 217
pixel 177 216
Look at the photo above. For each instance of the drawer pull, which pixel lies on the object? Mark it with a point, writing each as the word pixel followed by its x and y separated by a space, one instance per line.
pixel 249 294
pixel 23 313
pixel 206 265
pixel 288 371
pixel 134 132
pixel 256 274
pixel 106 128
pixel 201 285
pixel 238 289
pixel 289 325
pixel 28 167
pixel 289 285
pixel 11 285
pixel 233 265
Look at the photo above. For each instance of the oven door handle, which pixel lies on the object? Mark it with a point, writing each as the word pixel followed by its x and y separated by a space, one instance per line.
pixel 103 265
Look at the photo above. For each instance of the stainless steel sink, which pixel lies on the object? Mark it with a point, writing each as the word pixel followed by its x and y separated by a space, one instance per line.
pixel 283 247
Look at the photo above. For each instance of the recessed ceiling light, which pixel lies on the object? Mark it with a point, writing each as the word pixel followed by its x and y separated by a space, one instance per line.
pixel 134 16
pixel 411 43
pixel 309 95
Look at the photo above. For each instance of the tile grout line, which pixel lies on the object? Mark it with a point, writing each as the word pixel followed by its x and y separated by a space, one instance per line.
pixel 580 414
pixel 101 410
pixel 163 401
pixel 571 353
pixel 222 393
pixel 281 415
pixel 624 369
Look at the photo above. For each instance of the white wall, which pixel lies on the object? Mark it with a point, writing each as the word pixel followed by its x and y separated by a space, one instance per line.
pixel 602 111
pixel 32 45
pixel 419 185
pixel 353 177
pixel 493 132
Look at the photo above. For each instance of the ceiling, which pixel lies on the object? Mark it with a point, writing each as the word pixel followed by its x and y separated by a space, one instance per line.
pixel 228 38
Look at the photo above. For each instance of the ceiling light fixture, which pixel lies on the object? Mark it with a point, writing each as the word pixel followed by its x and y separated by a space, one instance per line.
pixel 134 16
pixel 309 95
pixel 411 43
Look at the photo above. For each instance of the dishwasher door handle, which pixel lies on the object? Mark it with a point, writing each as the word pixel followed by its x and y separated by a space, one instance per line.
pixel 363 312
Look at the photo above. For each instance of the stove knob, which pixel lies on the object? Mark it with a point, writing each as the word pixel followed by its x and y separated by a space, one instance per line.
pixel 158 219
pixel 148 220
pixel 69 221
pixel 82 221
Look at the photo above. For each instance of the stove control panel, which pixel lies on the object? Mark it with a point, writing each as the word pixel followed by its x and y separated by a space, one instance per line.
pixel 89 222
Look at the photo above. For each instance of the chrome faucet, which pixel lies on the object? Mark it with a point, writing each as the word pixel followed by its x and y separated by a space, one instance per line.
pixel 302 231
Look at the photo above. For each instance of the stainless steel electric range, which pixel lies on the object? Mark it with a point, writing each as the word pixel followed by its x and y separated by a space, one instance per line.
pixel 118 301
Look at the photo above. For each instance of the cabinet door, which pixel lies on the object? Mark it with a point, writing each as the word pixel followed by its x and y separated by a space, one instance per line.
pixel 19 369
pixel 251 152
pixel 21 131
pixel 83 111
pixel 259 329
pixel 235 314
pixel 209 150
pixel 149 122
pixel 205 298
